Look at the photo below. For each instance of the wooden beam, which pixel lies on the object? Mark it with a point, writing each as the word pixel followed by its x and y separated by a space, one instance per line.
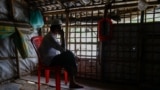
pixel 98 7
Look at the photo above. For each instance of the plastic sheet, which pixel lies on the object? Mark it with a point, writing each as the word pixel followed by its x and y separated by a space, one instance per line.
pixel 20 12
pixel 8 65
pixel 3 9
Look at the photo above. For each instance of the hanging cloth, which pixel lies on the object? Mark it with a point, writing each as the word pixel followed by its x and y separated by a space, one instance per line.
pixel 18 39
pixel 6 31
pixel 20 43
pixel 105 29
pixel 36 19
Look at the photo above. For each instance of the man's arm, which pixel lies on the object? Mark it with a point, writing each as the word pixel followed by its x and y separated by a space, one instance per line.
pixel 61 32
pixel 54 43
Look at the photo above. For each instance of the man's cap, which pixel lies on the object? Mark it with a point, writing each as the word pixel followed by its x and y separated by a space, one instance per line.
pixel 56 22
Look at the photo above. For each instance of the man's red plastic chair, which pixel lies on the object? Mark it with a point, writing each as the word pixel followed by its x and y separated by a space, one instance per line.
pixel 36 41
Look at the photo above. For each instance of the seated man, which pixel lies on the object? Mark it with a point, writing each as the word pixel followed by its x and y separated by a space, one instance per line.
pixel 53 53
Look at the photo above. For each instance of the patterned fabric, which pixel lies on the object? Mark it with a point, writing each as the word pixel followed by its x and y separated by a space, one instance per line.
pixel 6 31
pixel 18 39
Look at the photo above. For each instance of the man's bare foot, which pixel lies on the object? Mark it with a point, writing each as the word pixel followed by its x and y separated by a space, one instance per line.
pixel 75 86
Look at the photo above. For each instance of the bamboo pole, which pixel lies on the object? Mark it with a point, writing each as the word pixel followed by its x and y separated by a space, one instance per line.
pixel 67 26
pixel 16 52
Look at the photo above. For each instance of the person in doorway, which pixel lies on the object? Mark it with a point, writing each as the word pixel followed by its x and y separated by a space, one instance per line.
pixel 53 52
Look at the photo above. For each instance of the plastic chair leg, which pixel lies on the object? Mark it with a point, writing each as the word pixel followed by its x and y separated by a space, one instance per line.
pixel 65 77
pixel 39 75
pixel 47 75
pixel 58 75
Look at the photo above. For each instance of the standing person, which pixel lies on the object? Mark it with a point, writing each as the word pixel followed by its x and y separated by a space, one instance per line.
pixel 54 53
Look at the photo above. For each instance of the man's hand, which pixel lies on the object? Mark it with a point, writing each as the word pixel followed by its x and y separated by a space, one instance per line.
pixel 61 32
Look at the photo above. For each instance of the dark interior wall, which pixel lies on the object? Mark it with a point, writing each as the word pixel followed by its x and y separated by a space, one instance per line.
pixel 151 54
pixel 132 55
pixel 119 55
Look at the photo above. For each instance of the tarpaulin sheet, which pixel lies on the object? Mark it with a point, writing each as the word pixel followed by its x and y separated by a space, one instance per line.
pixel 8 65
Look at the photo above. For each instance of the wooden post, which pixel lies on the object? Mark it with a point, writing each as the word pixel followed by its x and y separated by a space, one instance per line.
pixel 16 52
pixel 17 62
pixel 140 50
pixel 67 25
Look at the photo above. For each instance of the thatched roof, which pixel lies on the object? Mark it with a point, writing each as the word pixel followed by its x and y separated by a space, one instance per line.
pixel 123 7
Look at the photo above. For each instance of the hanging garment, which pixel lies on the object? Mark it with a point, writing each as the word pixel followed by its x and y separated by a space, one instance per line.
pixel 36 19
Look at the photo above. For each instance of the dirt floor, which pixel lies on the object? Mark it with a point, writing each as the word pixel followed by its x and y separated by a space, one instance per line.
pixel 30 83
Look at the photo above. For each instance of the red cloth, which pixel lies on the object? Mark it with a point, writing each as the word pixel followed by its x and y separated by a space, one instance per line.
pixel 105 29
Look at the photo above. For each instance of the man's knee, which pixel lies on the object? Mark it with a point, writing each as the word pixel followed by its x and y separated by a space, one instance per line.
pixel 68 52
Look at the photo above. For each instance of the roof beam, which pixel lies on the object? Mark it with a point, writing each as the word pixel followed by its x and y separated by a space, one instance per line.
pixel 98 7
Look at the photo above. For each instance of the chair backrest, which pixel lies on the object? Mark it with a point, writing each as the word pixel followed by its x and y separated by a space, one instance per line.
pixel 36 42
